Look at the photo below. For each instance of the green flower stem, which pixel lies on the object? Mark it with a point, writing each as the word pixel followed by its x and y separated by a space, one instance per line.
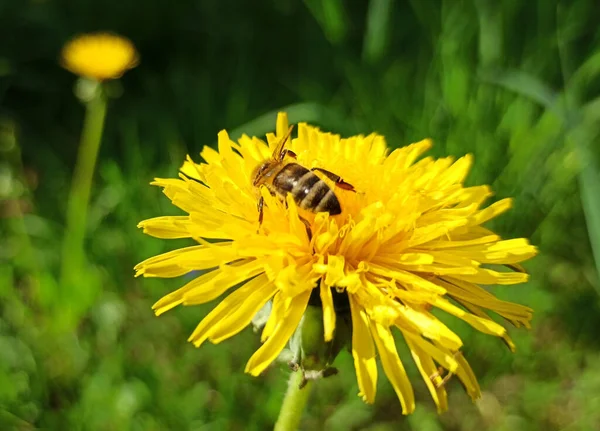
pixel 72 258
pixel 293 403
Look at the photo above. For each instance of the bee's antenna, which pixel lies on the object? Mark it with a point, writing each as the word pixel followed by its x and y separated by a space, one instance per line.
pixel 279 154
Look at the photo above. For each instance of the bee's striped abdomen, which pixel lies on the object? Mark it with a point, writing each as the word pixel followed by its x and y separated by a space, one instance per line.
pixel 307 189
pixel 287 178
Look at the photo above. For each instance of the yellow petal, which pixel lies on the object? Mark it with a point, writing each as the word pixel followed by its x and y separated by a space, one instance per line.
pixel 456 173
pixel 295 279
pixel 499 252
pixel 280 304
pixel 335 270
pixel 175 298
pixel 297 228
pixel 429 326
pixel 282 124
pixel 406 278
pixel 492 211
pixel 479 312
pixel 241 317
pixel 363 352
pixel 440 245
pixel 488 276
pixel 487 326
pixel 225 307
pixel 267 353
pixel 328 311
pixel 471 295
pixel 192 170
pixel 228 277
pixel 169 227
pixel 441 357
pixel 393 367
pixel 465 374
pixel 434 231
pixel 178 262
pixel 428 369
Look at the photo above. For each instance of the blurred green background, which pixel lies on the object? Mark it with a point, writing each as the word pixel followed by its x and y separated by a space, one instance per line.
pixel 514 82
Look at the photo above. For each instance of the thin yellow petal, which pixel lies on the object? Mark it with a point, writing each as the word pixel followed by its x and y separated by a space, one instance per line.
pixel 428 369
pixel 335 270
pixel 486 326
pixel 267 353
pixel 429 327
pixel 488 276
pixel 238 319
pixel 228 277
pixel 297 228
pixel 471 295
pixel 465 374
pixel 441 357
pixel 440 245
pixel 328 311
pixel 176 298
pixel 363 352
pixel 499 252
pixel 169 227
pixel 406 278
pixel 393 367
pixel 192 170
pixel 225 307
pixel 492 211
pixel 181 261
pixel 479 312
pixel 280 304
pixel 282 124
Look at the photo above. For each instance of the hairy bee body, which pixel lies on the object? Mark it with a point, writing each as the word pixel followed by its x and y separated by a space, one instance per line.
pixel 308 190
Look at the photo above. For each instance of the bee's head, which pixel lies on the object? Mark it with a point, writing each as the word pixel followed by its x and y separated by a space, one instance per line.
pixel 261 172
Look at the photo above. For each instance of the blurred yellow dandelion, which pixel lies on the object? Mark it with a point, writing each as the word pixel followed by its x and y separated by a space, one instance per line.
pixel 409 239
pixel 99 56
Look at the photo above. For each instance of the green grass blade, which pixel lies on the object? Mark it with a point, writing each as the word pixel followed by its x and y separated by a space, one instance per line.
pixel 377 32
pixel 523 84
pixel 589 185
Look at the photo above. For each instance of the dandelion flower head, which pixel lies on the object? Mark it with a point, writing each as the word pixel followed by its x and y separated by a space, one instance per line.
pixel 409 239
pixel 99 56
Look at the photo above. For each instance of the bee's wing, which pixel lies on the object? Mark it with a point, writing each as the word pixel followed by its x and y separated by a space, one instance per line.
pixel 277 153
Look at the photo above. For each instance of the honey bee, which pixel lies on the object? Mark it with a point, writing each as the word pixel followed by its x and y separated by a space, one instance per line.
pixel 308 190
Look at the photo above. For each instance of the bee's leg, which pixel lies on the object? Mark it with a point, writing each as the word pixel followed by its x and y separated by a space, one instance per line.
pixel 307 225
pixel 437 375
pixel 446 378
pixel 259 206
pixel 289 153
pixel 440 374
pixel 339 182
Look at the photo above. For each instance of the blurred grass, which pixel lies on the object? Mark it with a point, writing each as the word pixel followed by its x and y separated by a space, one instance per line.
pixel 515 83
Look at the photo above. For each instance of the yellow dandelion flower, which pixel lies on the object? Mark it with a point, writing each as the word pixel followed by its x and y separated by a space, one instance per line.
pixel 408 238
pixel 99 56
